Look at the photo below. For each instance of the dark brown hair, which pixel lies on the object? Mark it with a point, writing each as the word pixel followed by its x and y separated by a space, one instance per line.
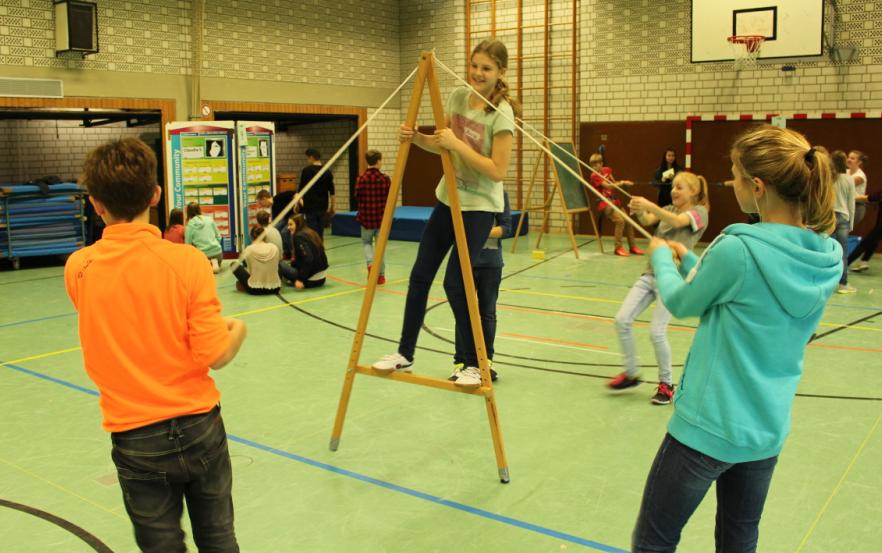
pixel 193 210
pixel 255 231
pixel 121 175
pixel 300 226
pixel 263 218
pixel 372 157
pixel 175 217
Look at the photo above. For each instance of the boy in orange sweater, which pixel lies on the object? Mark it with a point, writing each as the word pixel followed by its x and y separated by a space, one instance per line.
pixel 150 328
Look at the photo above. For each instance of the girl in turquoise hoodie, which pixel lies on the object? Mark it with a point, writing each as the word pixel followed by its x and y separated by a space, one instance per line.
pixel 760 291
pixel 202 233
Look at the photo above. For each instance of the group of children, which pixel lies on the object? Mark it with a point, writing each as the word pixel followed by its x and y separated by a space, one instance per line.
pixel 759 291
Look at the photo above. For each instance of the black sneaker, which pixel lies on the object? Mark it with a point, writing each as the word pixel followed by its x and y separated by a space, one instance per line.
pixel 664 394
pixel 622 382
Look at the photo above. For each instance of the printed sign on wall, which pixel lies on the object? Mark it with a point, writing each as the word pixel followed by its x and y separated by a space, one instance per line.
pixel 201 170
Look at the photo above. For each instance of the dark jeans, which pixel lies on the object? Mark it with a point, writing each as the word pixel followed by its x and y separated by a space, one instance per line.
pixel 315 221
pixel 436 241
pixel 679 479
pixel 664 194
pixel 487 281
pixel 290 273
pixel 841 235
pixel 161 464
pixel 867 246
pixel 242 275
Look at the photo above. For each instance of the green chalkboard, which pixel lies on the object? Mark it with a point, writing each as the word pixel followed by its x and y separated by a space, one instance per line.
pixel 571 188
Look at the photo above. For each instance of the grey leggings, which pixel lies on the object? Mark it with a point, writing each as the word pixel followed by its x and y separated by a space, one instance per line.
pixel 638 299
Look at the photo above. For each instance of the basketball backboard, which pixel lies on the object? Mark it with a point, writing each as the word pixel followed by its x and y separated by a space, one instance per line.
pixel 792 28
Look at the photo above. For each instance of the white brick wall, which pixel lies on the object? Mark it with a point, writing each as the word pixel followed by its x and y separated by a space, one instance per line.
pixel 326 138
pixel 33 149
pixel 633 63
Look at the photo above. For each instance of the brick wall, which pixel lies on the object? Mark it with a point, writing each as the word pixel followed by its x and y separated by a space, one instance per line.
pixel 33 149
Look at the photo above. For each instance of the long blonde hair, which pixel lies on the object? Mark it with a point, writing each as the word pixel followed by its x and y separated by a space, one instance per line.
pixel 497 51
pixel 698 185
pixel 798 172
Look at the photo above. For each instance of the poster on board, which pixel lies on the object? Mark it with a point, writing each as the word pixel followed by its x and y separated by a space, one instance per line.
pixel 201 170
pixel 256 169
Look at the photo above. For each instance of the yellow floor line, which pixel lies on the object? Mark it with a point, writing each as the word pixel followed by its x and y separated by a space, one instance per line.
pixel 63 489
pixel 838 484
pixel 41 356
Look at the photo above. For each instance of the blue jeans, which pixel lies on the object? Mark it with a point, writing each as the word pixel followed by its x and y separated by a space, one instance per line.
pixel 487 281
pixel 638 299
pixel 679 479
pixel 160 465
pixel 368 235
pixel 841 235
pixel 436 241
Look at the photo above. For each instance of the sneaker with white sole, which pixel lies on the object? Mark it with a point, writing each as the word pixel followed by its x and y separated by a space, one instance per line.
pixel 860 267
pixel 846 289
pixel 469 377
pixel 393 362
pixel 457 369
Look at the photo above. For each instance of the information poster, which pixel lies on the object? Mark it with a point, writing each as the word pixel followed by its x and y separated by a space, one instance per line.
pixel 256 168
pixel 201 171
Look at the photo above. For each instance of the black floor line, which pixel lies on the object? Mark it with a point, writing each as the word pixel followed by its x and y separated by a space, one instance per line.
pixel 844 327
pixel 343 245
pixel 83 535
pixel 533 367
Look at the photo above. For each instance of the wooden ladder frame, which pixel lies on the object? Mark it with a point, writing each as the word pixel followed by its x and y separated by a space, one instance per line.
pixel 545 208
pixel 425 74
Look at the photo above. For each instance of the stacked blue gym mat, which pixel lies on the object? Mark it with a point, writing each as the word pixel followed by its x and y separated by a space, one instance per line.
pixel 408 223
pixel 40 220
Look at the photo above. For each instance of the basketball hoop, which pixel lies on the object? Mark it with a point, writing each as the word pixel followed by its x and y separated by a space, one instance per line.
pixel 745 49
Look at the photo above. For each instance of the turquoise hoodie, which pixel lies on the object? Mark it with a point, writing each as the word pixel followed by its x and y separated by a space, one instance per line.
pixel 760 291
pixel 202 232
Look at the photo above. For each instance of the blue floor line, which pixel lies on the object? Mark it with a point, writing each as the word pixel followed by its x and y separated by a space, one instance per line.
pixel 54 380
pixel 38 319
pixel 374 481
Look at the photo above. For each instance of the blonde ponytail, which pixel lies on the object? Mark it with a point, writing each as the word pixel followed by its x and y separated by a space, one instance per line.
pixel 798 173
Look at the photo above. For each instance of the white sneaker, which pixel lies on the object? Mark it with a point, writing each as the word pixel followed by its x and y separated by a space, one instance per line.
pixel 860 266
pixel 393 362
pixel 215 266
pixel 469 377
pixel 846 289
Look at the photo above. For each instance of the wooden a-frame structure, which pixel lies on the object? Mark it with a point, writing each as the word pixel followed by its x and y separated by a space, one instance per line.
pixel 567 211
pixel 425 74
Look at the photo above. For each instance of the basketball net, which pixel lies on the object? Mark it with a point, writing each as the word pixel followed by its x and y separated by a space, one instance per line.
pixel 746 49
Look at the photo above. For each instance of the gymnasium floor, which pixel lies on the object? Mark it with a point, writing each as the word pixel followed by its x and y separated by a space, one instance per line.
pixel 415 470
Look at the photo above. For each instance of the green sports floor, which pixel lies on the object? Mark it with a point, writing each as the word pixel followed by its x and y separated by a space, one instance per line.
pixel 415 471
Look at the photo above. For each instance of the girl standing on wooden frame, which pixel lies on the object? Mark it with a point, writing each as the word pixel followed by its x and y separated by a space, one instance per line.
pixel 479 140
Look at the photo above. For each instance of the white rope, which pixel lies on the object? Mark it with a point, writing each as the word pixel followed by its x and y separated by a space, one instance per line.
pixel 304 189
pixel 566 166
pixel 575 157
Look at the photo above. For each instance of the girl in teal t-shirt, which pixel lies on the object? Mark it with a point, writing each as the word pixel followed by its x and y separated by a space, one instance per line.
pixel 479 139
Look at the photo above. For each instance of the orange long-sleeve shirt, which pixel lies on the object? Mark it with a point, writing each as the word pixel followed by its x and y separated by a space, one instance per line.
pixel 150 324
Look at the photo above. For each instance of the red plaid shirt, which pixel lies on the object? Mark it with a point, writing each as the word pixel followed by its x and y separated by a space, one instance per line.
pixel 371 190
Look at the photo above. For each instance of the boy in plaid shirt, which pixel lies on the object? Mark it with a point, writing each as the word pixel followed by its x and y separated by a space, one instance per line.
pixel 371 190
